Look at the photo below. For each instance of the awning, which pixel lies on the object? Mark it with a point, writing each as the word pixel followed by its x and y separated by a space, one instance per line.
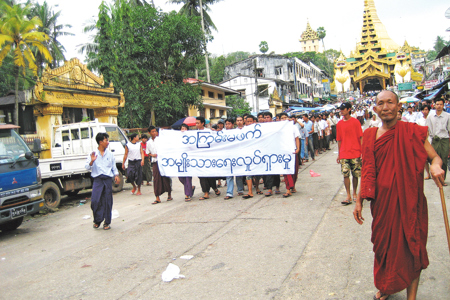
pixel 435 94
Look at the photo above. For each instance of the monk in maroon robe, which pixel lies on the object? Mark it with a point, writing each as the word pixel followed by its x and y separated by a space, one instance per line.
pixel 394 157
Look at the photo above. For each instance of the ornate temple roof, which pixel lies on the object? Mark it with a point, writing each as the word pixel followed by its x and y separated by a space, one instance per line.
pixel 309 34
pixel 373 34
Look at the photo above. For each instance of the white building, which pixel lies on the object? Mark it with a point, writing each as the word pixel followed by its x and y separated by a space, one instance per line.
pixel 292 78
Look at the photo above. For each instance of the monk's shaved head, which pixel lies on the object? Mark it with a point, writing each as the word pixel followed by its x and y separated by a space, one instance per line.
pixel 387 91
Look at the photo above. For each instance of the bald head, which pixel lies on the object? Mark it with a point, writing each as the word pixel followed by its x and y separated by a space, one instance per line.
pixel 388 94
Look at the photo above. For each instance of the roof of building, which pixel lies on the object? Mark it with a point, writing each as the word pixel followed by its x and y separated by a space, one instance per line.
pixel 309 34
pixel 227 91
pixel 10 98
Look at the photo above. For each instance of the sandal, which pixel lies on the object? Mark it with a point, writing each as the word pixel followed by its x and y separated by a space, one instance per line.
pixel 203 198
pixel 240 193
pixel 132 191
pixel 286 195
pixel 187 199
pixel 381 296
pixel 259 192
pixel 247 196
pixel 227 198
pixel 346 202
pixel 156 202
pixel 268 194
pixel 169 199
pixel 96 225
pixel 293 191
pixel 217 192
pixel 138 194
pixel 148 183
pixel 277 192
pixel 106 227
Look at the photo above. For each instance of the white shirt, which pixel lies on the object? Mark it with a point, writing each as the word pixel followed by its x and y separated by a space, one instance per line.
pixel 375 123
pixel 411 117
pixel 134 151
pixel 152 148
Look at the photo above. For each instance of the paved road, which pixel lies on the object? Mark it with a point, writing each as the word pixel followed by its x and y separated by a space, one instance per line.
pixel 304 247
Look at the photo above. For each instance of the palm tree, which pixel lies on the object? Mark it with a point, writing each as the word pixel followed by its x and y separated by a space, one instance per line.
pixel 263 47
pixel 192 8
pixel 322 33
pixel 18 34
pixel 54 30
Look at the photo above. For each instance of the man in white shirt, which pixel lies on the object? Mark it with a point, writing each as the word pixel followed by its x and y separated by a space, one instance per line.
pixel 161 184
pixel 291 179
pixel 410 115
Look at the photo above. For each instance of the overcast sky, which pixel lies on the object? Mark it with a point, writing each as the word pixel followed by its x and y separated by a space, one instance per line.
pixel 243 24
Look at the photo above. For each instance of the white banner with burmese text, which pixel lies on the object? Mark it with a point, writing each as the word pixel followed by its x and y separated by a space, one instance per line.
pixel 258 149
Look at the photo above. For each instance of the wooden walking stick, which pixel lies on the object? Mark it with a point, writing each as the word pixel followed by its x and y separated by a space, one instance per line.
pixel 444 210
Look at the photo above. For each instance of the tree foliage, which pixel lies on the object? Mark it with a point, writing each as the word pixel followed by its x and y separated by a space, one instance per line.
pixel 19 35
pixel 191 8
pixel 263 47
pixel 54 30
pixel 239 106
pixel 322 33
pixel 147 53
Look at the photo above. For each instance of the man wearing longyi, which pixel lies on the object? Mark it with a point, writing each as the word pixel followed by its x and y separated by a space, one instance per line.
pixel 394 157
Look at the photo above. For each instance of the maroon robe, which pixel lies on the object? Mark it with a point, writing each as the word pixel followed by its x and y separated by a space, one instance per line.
pixel 392 178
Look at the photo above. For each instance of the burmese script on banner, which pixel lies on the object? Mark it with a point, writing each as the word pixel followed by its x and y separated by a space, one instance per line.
pixel 258 149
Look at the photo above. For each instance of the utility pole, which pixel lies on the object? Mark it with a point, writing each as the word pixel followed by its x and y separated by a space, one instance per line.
pixel 206 53
pixel 256 86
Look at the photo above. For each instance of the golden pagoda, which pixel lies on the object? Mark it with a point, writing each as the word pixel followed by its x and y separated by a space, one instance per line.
pixel 377 60
pixel 309 40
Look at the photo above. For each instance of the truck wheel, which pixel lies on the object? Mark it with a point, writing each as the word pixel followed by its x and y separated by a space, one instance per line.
pixel 118 187
pixel 72 193
pixel 52 195
pixel 11 225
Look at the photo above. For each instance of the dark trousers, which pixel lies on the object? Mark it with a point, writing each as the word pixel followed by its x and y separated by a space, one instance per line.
pixel 333 132
pixel 272 181
pixel 208 183
pixel 441 146
pixel 187 182
pixel 311 147
pixel 102 199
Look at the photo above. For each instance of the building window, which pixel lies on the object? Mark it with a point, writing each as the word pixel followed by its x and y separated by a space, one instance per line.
pixel 235 81
pixel 278 70
pixel 202 113
pixel 212 113
pixel 263 90
pixel 220 96
pixel 221 113
pixel 260 72
pixel 211 94
pixel 242 92
pixel 201 93
pixel 245 79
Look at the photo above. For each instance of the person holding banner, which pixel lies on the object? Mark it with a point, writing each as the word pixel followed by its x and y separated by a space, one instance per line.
pixel 189 189
pixel 230 183
pixel 290 179
pixel 206 183
pixel 251 179
pixel 271 181
pixel 161 184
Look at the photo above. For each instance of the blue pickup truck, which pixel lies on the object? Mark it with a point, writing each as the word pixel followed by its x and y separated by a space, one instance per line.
pixel 20 180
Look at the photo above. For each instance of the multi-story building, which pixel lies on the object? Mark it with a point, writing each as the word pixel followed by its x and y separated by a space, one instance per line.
pixel 293 80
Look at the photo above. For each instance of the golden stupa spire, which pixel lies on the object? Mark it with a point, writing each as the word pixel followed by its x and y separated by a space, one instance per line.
pixel 374 35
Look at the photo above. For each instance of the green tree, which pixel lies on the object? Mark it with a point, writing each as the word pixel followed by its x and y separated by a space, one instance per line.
pixel 263 47
pixel 439 44
pixel 322 33
pixel 431 55
pixel 18 35
pixel 239 106
pixel 148 53
pixel 191 8
pixel 54 30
